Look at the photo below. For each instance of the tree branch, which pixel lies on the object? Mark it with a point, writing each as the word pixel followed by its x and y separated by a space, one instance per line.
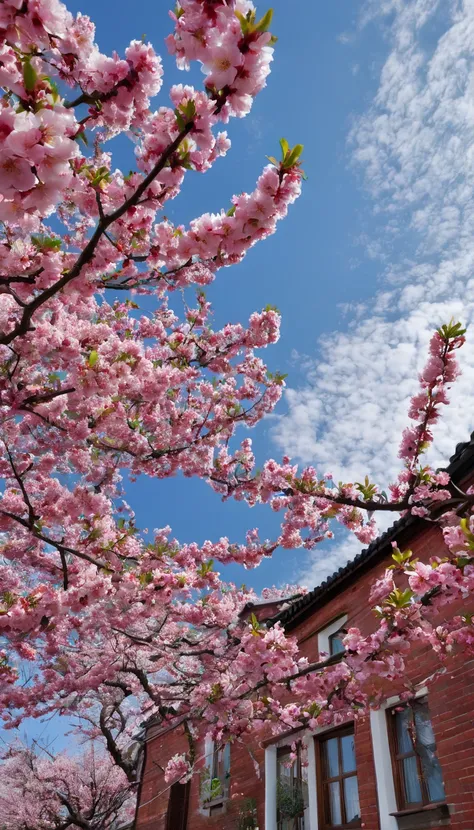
pixel 88 253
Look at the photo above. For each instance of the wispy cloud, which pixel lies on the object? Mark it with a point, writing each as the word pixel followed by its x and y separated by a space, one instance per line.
pixel 414 148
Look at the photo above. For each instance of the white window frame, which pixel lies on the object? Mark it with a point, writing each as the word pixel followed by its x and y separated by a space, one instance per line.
pixel 383 761
pixel 271 776
pixel 325 633
pixel 205 806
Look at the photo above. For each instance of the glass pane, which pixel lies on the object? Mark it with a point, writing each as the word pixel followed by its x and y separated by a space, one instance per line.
pixel 351 798
pixel 426 747
pixel 348 753
pixel 332 757
pixel 335 644
pixel 410 778
pixel 335 816
pixel 218 764
pixel 285 767
pixel 434 779
pixel 404 743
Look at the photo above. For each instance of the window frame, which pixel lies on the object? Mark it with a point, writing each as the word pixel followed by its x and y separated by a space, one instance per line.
pixel 210 805
pixel 281 752
pixel 331 638
pixel 322 781
pixel 397 759
pixel 327 632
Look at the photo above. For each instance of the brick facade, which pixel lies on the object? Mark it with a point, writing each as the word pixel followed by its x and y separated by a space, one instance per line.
pixel 450 700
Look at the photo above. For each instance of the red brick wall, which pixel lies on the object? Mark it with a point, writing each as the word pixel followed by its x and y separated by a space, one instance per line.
pixel 244 784
pixel 451 701
pixel 450 698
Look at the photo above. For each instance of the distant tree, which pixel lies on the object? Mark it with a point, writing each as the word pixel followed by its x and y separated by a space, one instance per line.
pixel 39 792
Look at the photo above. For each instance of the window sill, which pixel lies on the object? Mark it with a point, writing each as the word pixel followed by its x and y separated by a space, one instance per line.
pixel 422 818
pixel 212 807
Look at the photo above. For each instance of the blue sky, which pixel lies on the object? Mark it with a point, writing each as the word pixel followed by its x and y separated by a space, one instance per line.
pixel 303 269
pixel 377 252
pixel 364 266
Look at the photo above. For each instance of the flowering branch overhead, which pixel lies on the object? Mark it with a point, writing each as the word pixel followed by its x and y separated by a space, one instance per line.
pixel 121 626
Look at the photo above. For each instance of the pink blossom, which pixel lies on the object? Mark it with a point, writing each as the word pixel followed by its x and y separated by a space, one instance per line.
pixel 178 769
pixel 16 173
pixel 222 63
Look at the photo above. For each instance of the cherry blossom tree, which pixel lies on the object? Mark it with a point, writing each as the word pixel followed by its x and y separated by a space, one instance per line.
pixel 39 791
pixel 98 620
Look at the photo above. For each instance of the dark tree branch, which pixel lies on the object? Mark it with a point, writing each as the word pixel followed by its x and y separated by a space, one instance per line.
pixel 32 517
pixel 58 545
pixel 32 400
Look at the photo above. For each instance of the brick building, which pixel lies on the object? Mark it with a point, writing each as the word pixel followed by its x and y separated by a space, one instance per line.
pixel 397 769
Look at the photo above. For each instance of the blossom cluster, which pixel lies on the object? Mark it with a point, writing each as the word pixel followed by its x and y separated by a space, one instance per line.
pixel 235 49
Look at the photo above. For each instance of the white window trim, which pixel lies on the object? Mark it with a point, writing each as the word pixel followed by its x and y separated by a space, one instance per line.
pixel 271 774
pixel 205 808
pixel 387 802
pixel 325 633
pixel 383 761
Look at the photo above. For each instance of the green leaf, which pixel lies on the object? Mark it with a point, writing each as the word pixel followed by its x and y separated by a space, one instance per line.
pixel 93 358
pixel 95 534
pixel 273 160
pixel 400 599
pixel 81 137
pixel 46 243
pixel 255 625
pixel 277 377
pixel 244 23
pixel 264 24
pixel 294 155
pixel 285 148
pixel 29 76
pixel 205 568
pixel 463 561
pixel 231 211
pixel 179 120
pixel 451 330
pixel 54 90
pixel 189 109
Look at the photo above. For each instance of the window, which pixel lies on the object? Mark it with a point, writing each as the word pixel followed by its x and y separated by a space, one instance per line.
pixel 292 790
pixel 338 790
pixel 330 637
pixel 215 778
pixel 335 643
pixel 417 771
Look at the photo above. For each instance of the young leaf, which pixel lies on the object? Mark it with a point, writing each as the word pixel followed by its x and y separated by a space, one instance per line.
pixel 81 136
pixel 285 147
pixel 264 24
pixel 29 76
pixel 294 155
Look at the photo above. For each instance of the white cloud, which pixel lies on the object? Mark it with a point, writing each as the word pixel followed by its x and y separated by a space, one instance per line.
pixel 415 148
